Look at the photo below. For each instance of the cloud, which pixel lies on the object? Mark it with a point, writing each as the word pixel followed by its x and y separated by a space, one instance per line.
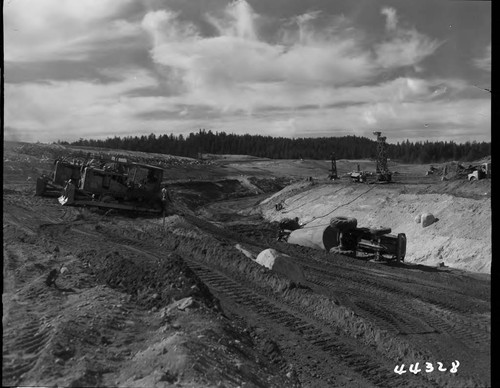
pixel 392 19
pixel 51 29
pixel 59 109
pixel 484 62
pixel 239 21
pixel 403 46
pixel 319 75
pixel 237 63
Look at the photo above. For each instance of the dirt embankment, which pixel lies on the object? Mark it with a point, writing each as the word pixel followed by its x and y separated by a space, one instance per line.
pixel 460 238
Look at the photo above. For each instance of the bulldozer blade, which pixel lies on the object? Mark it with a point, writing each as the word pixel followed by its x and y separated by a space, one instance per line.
pixel 63 200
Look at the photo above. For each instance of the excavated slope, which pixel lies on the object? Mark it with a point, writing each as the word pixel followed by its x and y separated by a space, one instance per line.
pixel 460 238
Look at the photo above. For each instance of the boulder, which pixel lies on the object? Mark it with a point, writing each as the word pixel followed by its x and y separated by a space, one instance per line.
pixel 427 219
pixel 418 218
pixel 320 237
pixel 282 264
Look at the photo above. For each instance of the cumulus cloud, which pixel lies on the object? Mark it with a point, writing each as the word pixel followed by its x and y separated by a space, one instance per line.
pixel 239 21
pixel 318 76
pixel 237 63
pixel 392 19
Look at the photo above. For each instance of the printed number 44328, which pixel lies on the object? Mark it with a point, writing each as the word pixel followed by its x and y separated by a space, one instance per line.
pixel 429 367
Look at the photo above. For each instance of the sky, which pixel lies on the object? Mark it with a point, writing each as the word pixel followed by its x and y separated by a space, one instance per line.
pixel 413 70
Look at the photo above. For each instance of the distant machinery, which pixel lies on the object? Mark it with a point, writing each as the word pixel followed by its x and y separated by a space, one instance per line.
pixel 383 173
pixel 333 172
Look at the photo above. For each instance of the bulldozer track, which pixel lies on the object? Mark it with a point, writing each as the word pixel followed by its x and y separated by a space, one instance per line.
pixel 435 314
pixel 324 339
pixel 327 341
pixel 296 320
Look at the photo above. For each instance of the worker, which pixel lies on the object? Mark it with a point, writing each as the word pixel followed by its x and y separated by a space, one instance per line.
pixel 165 198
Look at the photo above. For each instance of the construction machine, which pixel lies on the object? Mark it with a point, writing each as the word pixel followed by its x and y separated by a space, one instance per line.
pixel 377 241
pixel 117 185
pixel 358 175
pixel 51 186
pixel 480 172
pixel 333 172
pixel 383 173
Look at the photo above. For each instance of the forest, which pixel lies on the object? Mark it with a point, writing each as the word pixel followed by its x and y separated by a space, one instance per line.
pixel 347 147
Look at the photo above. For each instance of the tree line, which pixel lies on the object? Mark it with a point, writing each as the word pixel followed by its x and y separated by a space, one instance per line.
pixel 346 147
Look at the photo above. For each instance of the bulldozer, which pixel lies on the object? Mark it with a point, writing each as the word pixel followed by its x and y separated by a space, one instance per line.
pixel 51 185
pixel 117 185
pixel 112 183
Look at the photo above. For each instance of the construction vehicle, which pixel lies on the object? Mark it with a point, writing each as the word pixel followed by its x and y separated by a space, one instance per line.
pixel 333 172
pixel 52 185
pixel 480 172
pixel 116 185
pixel 383 173
pixel 377 241
pixel 358 176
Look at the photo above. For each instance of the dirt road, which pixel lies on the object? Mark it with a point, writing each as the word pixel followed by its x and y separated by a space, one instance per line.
pixel 157 302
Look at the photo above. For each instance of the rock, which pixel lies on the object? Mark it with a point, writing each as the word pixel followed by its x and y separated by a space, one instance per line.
pixel 427 219
pixel 418 218
pixel 282 264
pixel 181 304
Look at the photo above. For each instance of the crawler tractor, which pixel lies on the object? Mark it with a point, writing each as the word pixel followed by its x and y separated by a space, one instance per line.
pixel 117 185
pixel 51 186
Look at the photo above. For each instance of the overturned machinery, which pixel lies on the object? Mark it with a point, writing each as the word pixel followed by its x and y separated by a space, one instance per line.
pixel 114 184
pixel 344 234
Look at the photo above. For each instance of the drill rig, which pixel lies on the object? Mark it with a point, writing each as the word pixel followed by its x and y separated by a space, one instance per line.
pixel 383 173
pixel 333 172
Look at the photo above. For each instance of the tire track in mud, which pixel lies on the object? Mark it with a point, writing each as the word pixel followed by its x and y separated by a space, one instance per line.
pixel 374 372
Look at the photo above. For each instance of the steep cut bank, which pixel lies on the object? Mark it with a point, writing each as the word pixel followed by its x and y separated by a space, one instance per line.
pixel 460 238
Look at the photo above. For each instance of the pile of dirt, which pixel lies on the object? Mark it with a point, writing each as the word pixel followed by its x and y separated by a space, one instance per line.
pixel 461 238
pixel 150 283
pixel 195 194
pixel 271 185
pixel 45 152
